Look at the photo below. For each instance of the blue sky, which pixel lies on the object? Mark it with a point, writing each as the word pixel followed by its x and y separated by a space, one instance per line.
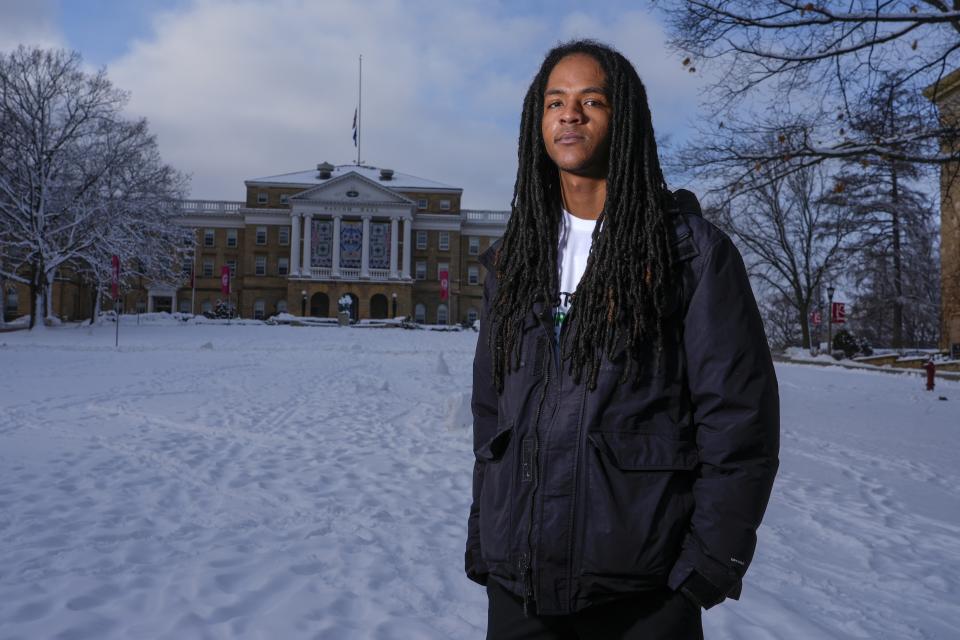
pixel 242 89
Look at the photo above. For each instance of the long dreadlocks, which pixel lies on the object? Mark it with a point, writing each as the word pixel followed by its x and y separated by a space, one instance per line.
pixel 624 291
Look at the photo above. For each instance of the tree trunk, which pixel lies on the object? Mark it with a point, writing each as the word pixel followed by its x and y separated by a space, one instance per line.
pixel 48 307
pixel 804 309
pixel 36 294
pixel 897 264
pixel 94 304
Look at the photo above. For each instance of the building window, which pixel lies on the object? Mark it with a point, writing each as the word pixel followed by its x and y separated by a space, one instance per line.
pixel 207 268
pixel 186 267
pixel 283 266
pixel 421 240
pixel 444 205
pixel 422 204
pixel 444 241
pixel 262 197
pixel 443 266
pixel 184 306
pixel 473 275
pixel 420 314
pixel 259 306
pixel 206 306
pixel 474 247
pixel 472 315
pixel 421 270
pixel 261 235
pixel 141 307
pixel 232 265
pixel 284 198
pixel 284 236
pixel 208 237
pixel 231 238
pixel 281 306
pixel 13 300
pixel 260 266
pixel 442 314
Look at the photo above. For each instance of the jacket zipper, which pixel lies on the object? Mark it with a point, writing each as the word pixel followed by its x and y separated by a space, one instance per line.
pixel 526 572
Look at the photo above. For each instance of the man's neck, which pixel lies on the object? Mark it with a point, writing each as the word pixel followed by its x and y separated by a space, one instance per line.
pixel 583 196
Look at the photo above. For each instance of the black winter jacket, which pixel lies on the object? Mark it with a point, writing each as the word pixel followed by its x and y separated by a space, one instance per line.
pixel 580 497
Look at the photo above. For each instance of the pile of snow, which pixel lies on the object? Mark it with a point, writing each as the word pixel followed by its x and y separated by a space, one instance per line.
pixel 298 484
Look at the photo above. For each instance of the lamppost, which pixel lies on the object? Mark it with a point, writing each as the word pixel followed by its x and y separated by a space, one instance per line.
pixel 830 291
pixel 303 303
pixel 394 305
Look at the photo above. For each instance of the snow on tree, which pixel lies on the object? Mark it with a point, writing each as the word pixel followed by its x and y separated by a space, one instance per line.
pixel 79 181
pixel 796 71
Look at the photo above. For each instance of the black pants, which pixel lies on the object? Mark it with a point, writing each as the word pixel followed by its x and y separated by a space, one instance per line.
pixel 657 615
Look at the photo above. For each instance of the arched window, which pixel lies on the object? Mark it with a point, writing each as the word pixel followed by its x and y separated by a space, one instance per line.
pixel 442 314
pixel 420 314
pixel 259 306
pixel 206 306
pixel 472 315
pixel 281 306
pixel 184 306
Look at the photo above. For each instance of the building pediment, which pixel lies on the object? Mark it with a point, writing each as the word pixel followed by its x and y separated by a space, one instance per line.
pixel 351 189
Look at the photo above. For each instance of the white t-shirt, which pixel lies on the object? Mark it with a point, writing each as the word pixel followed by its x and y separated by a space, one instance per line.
pixel 576 236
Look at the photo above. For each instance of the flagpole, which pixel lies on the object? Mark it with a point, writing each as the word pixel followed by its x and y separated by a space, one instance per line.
pixel 359 108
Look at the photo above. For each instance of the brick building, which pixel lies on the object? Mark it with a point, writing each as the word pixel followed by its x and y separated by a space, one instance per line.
pixel 396 233
pixel 947 99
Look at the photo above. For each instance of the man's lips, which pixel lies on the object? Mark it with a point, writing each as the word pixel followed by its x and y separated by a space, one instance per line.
pixel 568 137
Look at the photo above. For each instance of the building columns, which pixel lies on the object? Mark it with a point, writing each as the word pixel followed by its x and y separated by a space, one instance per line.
pixel 295 245
pixel 365 248
pixel 336 245
pixel 307 249
pixel 394 244
pixel 407 224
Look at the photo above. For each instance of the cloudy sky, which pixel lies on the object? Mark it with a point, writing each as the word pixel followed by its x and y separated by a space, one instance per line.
pixel 242 89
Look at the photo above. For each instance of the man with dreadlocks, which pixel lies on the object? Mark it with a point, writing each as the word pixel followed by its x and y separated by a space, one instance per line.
pixel 626 410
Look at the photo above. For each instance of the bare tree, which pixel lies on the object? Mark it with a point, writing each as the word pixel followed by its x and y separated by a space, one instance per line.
pixel 795 71
pixel 67 159
pixel 885 195
pixel 793 239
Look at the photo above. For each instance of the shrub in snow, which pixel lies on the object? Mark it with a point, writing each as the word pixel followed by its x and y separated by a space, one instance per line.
pixel 850 344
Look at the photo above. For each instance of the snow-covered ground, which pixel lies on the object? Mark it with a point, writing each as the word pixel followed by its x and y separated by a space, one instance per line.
pixel 244 481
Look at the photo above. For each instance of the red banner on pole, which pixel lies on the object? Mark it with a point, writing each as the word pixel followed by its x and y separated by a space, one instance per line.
pixel 838 313
pixel 444 285
pixel 816 318
pixel 115 280
pixel 225 280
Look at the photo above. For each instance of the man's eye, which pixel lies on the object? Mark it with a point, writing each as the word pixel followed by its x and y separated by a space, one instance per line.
pixel 551 105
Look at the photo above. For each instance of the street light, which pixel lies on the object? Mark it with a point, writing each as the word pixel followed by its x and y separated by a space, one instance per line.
pixel 830 291
pixel 394 304
pixel 303 303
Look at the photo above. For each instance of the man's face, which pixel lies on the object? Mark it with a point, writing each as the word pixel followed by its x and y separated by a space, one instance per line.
pixel 576 116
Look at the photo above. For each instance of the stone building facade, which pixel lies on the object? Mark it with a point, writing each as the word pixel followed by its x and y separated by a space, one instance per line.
pixel 947 98
pixel 299 242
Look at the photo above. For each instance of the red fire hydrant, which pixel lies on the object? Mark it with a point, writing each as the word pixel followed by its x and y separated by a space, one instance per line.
pixel 931 370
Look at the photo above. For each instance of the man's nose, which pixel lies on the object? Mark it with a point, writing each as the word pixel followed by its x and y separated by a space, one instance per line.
pixel 572 114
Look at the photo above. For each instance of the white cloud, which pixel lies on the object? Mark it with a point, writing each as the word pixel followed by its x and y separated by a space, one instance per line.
pixel 237 90
pixel 30 23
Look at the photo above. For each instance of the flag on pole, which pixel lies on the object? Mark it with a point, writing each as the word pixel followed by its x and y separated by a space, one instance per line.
pixel 225 280
pixel 444 285
pixel 354 127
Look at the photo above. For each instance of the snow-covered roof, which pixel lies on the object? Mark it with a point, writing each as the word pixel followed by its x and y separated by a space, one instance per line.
pixel 312 178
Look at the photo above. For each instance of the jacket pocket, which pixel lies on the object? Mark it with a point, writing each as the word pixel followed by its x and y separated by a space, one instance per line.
pixel 638 502
pixel 499 456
